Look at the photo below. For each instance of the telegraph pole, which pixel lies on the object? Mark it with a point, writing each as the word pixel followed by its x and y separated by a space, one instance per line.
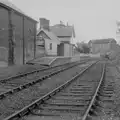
pixel 11 41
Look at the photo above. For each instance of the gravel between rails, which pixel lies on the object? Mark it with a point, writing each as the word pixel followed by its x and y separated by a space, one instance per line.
pixel 18 100
pixel 15 82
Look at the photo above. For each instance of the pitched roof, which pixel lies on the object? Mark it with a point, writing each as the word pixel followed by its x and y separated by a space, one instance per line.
pixel 50 34
pixel 9 4
pixel 62 30
pixel 102 41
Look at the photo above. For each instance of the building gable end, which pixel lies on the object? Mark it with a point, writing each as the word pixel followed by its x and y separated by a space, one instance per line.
pixel 44 35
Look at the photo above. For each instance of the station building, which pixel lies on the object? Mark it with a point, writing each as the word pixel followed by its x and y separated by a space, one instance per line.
pixel 58 39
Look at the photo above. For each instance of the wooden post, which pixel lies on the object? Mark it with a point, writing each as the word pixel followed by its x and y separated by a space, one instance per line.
pixel 11 41
pixel 35 40
pixel 23 43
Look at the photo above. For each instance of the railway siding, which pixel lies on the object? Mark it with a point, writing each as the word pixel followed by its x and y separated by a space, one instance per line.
pixel 17 101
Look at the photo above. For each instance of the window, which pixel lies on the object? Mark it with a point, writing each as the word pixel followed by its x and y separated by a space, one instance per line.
pixel 50 46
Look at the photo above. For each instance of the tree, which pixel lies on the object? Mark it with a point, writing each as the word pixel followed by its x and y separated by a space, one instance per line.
pixel 82 47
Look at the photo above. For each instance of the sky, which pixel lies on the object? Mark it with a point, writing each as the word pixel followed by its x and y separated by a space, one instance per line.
pixel 92 19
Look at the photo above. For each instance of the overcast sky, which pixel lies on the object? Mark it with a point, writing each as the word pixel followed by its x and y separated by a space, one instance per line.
pixel 92 18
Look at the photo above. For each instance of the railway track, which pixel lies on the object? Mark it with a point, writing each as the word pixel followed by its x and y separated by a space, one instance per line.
pixel 12 94
pixel 16 83
pixel 31 73
pixel 73 98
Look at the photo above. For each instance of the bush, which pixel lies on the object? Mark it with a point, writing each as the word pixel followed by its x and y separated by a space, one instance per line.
pixel 82 47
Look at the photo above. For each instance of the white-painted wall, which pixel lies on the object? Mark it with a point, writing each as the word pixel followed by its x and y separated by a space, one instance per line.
pixel 71 50
pixel 53 51
pixel 72 40
pixel 66 49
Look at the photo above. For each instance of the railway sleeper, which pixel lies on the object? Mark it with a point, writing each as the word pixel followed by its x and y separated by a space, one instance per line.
pixel 39 112
pixel 84 98
pixel 106 98
pixel 107 86
pixel 105 95
pixel 107 89
pixel 71 101
pixel 74 95
pixel 81 85
pixel 81 93
pixel 62 108
pixel 80 89
pixel 77 104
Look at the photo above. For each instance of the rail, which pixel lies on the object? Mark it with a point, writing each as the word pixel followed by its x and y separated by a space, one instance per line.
pixel 26 85
pixel 94 96
pixel 28 108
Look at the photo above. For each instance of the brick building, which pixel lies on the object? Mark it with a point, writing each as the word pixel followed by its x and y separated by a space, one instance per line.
pixel 24 33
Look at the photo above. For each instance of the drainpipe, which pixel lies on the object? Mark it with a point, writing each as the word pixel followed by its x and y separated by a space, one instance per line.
pixel 11 41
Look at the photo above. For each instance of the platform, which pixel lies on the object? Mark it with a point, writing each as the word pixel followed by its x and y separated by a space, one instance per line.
pixel 38 63
pixel 50 61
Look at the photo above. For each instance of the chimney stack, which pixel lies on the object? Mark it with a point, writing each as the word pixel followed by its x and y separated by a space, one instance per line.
pixel 44 23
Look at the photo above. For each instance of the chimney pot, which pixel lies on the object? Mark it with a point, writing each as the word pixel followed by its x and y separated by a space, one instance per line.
pixel 44 23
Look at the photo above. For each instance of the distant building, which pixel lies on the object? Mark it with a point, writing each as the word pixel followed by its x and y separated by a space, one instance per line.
pixel 24 33
pixel 58 39
pixel 101 45
pixel 66 34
